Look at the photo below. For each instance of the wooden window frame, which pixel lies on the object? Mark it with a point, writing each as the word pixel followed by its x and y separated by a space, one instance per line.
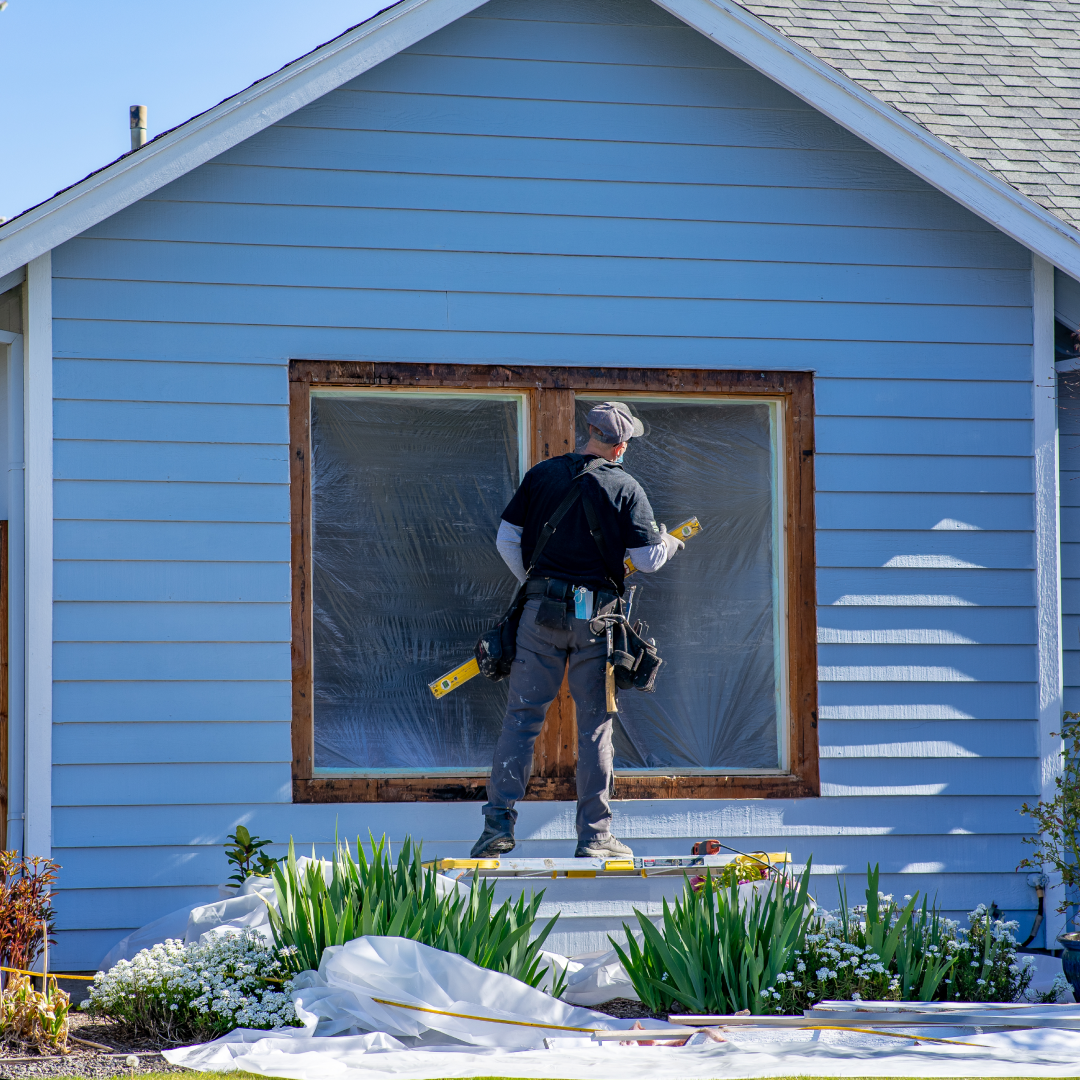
pixel 550 394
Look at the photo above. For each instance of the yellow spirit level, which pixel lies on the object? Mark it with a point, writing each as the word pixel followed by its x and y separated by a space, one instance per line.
pixel 462 674
pixel 684 531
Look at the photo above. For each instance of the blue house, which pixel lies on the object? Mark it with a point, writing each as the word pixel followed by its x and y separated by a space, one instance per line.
pixel 271 378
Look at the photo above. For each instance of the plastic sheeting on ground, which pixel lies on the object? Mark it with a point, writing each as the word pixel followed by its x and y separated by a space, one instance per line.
pixel 237 909
pixel 391 1008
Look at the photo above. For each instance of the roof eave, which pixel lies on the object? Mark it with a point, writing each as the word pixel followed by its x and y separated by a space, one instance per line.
pixel 733 28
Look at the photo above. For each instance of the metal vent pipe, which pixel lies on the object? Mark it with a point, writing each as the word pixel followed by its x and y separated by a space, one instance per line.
pixel 138 126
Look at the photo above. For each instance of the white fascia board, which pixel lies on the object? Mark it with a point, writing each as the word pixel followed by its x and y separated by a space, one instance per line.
pixel 222 127
pixel 883 127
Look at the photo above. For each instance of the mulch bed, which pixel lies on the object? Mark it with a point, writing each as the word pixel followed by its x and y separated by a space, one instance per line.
pixel 627 1009
pixel 83 1061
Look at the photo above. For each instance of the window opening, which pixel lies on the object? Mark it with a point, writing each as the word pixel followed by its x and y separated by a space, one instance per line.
pixel 407 490
pixel 718 610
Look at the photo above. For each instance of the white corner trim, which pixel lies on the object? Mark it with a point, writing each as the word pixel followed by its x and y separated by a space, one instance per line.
pixel 38 438
pixel 9 281
pixel 1047 550
pixel 882 126
pixel 219 129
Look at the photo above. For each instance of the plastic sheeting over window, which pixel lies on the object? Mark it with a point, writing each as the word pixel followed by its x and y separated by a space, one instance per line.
pixel 714 610
pixel 407 490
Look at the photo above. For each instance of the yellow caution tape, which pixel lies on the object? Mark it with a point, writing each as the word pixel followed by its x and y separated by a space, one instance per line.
pixel 891 1034
pixel 484 1019
pixel 49 974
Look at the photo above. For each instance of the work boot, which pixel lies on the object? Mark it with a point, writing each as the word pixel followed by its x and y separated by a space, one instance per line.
pixel 496 839
pixel 602 847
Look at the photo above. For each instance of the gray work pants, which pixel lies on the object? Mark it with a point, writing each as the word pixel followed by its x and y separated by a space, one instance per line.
pixel 537 673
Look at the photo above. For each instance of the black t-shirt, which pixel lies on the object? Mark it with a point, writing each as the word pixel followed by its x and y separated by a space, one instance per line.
pixel 622 508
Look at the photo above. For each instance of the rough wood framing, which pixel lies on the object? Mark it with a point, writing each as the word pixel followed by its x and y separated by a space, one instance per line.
pixel 551 394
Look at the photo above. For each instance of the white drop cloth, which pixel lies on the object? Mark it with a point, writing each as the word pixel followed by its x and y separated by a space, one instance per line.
pixel 237 909
pixel 349 1034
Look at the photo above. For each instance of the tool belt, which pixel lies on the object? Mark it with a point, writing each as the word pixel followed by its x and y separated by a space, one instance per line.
pixel 557 601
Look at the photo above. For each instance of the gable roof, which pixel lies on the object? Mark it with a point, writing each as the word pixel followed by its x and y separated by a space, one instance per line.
pixel 995 79
pixel 315 74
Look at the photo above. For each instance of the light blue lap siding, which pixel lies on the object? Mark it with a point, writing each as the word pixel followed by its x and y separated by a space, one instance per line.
pixel 580 182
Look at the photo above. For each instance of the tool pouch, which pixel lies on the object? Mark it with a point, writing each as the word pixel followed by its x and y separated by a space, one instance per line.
pixel 495 650
pixel 622 659
pixel 646 669
pixel 642 676
pixel 552 612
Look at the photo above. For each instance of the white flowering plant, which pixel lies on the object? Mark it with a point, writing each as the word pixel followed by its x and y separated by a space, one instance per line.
pixel 889 952
pixel 829 967
pixel 181 993
pixel 987 967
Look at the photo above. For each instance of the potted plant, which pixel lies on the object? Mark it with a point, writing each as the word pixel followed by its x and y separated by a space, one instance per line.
pixel 1057 844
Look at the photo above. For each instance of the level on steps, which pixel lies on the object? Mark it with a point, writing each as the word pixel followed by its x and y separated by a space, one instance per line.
pixel 638 866
pixel 464 672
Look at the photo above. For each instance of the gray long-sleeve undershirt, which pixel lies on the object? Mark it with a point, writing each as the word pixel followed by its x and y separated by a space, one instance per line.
pixel 647 559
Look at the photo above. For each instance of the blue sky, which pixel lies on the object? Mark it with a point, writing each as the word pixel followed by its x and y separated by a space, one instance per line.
pixel 71 68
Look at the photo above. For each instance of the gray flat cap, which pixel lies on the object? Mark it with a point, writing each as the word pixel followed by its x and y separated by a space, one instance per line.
pixel 616 421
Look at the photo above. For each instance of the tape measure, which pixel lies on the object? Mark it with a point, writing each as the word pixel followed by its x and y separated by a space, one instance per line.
pixel 463 673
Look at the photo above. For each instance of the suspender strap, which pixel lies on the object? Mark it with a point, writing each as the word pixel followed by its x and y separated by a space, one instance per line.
pixel 598 536
pixel 552 523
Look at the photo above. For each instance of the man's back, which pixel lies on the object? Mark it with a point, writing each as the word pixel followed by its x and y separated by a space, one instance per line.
pixel 622 508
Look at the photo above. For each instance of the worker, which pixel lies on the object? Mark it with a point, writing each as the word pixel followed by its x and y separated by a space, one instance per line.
pixel 570 564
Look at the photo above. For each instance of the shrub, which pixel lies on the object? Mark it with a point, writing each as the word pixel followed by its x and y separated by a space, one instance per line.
pixel 716 952
pixel 184 993
pixel 247 857
pixel 26 912
pixel 376 897
pixel 1057 842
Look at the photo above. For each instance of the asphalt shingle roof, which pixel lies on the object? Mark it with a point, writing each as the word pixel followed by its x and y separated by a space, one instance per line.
pixel 998 81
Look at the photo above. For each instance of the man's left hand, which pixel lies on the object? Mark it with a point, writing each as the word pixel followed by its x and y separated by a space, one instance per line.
pixel 673 542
